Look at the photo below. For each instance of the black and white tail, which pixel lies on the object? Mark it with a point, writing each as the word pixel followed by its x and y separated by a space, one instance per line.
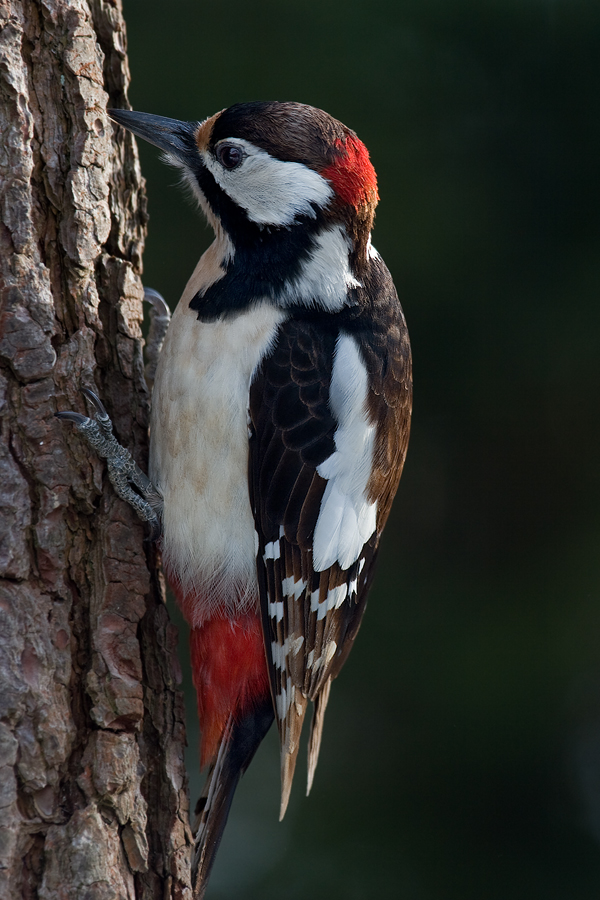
pixel 238 745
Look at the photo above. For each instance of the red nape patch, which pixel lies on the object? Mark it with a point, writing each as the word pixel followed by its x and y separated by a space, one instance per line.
pixel 352 174
pixel 229 672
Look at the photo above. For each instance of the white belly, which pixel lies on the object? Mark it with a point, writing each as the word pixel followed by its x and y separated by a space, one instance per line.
pixel 199 453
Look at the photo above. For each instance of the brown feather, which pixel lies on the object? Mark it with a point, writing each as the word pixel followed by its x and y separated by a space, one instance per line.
pixel 316 732
pixel 290 745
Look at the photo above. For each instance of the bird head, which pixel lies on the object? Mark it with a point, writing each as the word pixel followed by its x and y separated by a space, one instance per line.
pixel 283 179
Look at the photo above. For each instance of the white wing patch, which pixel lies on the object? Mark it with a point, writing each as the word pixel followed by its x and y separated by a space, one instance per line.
pixel 291 588
pixel 279 652
pixel 324 659
pixel 276 610
pixel 371 251
pixel 336 596
pixel 272 192
pixel 347 519
pixel 285 698
pixel 272 550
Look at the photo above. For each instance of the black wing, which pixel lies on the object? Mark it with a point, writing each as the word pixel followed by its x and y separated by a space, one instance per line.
pixel 310 618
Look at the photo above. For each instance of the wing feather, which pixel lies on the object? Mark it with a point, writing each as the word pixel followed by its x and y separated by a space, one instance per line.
pixel 302 484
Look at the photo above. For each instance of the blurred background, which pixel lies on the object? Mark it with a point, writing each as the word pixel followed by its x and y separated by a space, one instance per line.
pixel 461 755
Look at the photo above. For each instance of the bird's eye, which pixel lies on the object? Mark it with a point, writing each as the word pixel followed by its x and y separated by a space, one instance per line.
pixel 229 155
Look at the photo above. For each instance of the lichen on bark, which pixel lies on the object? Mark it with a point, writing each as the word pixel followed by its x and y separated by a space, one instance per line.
pixel 93 795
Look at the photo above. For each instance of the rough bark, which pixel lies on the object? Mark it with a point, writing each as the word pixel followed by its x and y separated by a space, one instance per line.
pixel 92 786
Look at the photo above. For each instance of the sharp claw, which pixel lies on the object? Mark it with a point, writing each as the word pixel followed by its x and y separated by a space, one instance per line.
pixel 160 316
pixel 77 418
pixel 96 402
pixel 157 301
pixel 155 530
pixel 123 472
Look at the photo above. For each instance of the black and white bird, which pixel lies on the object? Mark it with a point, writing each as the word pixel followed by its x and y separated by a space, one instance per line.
pixel 280 422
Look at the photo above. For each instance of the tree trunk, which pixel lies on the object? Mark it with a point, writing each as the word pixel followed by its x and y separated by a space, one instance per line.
pixel 92 786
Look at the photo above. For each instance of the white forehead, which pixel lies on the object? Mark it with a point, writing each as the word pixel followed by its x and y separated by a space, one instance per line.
pixel 271 191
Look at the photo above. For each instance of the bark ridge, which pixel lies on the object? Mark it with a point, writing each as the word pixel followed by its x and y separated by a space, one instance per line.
pixel 93 799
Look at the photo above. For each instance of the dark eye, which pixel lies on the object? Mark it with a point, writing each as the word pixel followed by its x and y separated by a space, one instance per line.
pixel 229 155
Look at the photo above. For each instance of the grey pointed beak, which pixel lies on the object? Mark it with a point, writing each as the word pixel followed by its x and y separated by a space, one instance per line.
pixel 176 137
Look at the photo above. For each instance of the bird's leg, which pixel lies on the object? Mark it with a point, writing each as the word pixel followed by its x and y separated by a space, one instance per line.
pixel 128 480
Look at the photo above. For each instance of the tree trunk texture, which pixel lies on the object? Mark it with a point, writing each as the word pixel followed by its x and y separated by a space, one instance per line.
pixel 93 800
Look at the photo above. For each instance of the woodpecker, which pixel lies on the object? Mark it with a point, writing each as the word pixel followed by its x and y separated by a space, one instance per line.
pixel 279 427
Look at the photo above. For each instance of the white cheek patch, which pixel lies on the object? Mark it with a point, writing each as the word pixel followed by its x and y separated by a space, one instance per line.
pixel 271 191
pixel 347 519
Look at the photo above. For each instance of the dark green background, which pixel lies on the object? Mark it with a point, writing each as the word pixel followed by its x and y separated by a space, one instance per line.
pixel 461 755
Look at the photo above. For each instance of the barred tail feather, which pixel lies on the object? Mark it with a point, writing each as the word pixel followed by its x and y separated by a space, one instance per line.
pixel 316 732
pixel 290 732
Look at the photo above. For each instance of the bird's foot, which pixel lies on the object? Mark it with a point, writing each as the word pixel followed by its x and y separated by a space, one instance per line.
pixel 128 480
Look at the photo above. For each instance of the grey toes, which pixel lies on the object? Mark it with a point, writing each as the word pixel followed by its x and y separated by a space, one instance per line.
pixel 128 480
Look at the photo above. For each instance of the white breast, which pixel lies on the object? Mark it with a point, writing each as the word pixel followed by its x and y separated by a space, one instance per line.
pixel 199 451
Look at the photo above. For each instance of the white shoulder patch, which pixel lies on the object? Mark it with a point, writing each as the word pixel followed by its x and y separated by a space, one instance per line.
pixel 272 192
pixel 325 278
pixel 347 519
pixel 371 251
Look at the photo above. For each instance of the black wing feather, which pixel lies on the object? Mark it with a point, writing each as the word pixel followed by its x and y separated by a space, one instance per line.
pixel 310 619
